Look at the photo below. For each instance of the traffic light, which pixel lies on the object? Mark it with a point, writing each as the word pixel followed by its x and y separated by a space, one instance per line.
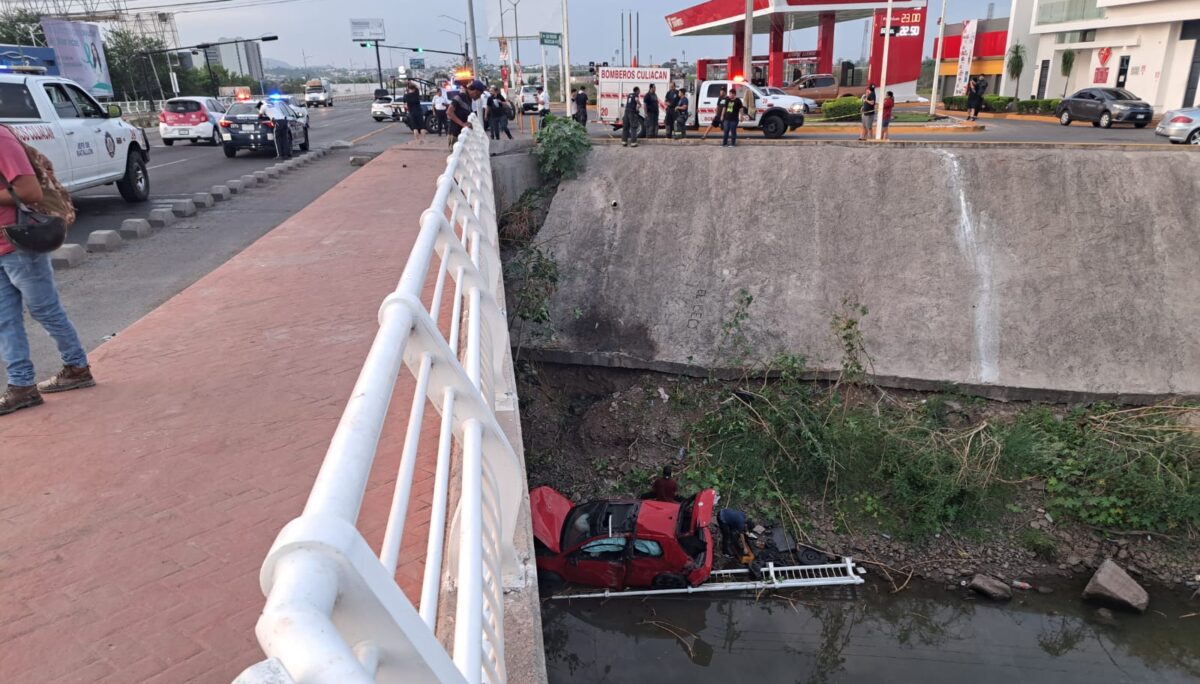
pixel 605 64
pixel 366 44
pixel 591 67
pixel 420 50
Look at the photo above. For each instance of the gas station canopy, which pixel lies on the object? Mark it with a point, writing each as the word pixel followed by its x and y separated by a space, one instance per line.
pixel 724 17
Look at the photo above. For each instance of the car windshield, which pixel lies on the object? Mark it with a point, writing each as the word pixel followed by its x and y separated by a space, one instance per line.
pixel 1119 94
pixel 182 106
pixel 16 102
pixel 241 109
pixel 775 91
pixel 314 89
pixel 597 518
pixel 383 100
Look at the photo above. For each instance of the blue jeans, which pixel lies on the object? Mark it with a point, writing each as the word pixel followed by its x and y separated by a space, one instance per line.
pixel 27 279
pixel 729 131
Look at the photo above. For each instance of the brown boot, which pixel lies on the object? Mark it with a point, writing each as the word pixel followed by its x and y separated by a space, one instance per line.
pixel 69 378
pixel 17 398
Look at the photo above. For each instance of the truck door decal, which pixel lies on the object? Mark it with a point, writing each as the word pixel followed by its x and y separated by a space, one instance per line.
pixel 31 132
pixel 110 145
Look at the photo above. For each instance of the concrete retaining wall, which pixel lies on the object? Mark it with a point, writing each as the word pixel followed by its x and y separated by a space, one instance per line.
pixel 514 170
pixel 1068 270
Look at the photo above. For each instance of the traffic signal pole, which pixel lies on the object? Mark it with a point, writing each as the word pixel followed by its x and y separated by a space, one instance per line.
pixel 379 66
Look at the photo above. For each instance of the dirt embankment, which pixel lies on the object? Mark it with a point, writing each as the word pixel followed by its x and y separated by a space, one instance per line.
pixel 595 433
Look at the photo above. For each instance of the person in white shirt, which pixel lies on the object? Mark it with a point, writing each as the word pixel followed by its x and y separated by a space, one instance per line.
pixel 440 102
pixel 543 99
pixel 273 111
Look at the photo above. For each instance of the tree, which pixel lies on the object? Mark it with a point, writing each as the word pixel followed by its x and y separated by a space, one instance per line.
pixel 21 27
pixel 1068 64
pixel 1016 64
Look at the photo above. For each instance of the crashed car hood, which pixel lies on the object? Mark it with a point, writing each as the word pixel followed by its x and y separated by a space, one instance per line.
pixel 548 509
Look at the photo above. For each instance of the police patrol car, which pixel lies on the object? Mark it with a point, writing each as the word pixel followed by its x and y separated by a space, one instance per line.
pixel 88 143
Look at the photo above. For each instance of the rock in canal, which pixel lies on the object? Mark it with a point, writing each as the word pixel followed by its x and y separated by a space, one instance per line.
pixel 1113 585
pixel 990 587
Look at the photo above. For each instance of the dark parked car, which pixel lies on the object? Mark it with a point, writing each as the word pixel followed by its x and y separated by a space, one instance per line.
pixel 1105 107
pixel 244 128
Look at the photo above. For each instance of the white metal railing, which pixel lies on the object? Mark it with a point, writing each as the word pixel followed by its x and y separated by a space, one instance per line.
pixel 334 612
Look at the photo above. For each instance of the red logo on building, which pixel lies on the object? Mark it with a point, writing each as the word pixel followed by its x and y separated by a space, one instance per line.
pixel 1104 54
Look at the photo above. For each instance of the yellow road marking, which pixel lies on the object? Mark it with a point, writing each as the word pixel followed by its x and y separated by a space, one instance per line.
pixel 375 132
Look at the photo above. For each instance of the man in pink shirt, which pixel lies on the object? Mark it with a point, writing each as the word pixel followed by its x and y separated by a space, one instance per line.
pixel 27 281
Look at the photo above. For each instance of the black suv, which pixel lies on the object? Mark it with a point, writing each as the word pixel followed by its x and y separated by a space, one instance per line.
pixel 1105 107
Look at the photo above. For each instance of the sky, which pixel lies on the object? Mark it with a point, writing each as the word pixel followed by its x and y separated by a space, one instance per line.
pixel 320 30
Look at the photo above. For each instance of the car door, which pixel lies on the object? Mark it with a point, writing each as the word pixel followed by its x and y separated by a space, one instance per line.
pixel 295 125
pixel 35 124
pixel 826 89
pixel 706 108
pixel 1076 104
pixel 80 155
pixel 1089 105
pixel 599 562
pixel 96 128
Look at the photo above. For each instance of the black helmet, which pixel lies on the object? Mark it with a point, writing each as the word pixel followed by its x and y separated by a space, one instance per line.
pixel 40 233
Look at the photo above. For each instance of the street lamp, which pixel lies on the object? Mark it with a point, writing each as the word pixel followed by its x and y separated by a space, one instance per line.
pixel 266 37
pixel 461 36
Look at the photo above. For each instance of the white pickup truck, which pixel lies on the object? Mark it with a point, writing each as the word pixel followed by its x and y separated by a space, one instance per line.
pixel 775 114
pixel 88 143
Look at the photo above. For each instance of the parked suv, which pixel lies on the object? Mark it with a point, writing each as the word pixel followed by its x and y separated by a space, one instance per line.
pixel 190 118
pixel 1104 107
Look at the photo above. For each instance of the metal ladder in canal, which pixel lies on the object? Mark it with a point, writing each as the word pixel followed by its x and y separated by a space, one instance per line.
pixel 740 579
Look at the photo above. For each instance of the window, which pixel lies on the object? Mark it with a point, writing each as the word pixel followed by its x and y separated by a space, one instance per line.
pixel 1118 94
pixel 214 106
pixel 1075 36
pixel 1082 95
pixel 647 548
pixel 609 548
pixel 62 103
pixel 824 82
pixel 241 109
pixel 182 106
pixel 16 102
pixel 1061 11
pixel 714 90
pixel 86 104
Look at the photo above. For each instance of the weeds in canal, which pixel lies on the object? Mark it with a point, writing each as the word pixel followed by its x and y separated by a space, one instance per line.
pixel 530 273
pixel 915 467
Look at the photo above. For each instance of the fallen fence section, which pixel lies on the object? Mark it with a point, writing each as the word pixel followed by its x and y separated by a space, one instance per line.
pixel 772 577
pixel 334 613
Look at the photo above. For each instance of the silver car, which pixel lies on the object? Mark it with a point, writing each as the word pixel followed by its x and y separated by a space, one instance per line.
pixel 1181 126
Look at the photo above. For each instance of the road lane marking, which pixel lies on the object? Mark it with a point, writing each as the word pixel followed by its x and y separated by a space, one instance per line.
pixel 374 132
pixel 159 166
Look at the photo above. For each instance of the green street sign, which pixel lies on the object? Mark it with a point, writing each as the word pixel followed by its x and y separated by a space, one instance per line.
pixel 552 39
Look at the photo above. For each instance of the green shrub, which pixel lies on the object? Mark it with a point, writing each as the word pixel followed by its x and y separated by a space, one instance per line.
pixel 562 145
pixel 996 103
pixel 1038 106
pixel 841 109
pixel 1039 542
pixel 1051 105
pixel 955 103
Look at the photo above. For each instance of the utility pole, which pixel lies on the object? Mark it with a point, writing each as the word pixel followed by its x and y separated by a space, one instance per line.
pixel 882 92
pixel 516 31
pixel 566 53
pixel 748 43
pixel 304 56
pixel 638 50
pixel 379 65
pixel 622 39
pixel 937 63
pixel 474 42
pixel 156 80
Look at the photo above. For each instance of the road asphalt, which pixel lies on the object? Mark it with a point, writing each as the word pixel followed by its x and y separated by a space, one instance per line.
pixel 109 291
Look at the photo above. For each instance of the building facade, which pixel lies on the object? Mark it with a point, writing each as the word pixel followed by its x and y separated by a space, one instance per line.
pixel 1149 47
pixel 240 59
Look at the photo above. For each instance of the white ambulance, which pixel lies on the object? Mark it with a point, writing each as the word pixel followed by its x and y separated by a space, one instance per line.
pixel 88 143
pixel 614 84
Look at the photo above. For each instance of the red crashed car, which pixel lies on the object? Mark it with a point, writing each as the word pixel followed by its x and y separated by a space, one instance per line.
pixel 623 543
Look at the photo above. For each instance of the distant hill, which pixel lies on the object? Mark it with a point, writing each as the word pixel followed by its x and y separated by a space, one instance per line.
pixel 276 64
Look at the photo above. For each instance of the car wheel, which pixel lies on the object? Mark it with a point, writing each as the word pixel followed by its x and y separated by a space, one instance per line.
pixel 773 126
pixel 550 582
pixel 230 151
pixel 1095 124
pixel 1105 120
pixel 377 118
pixel 668 580
pixel 1194 138
pixel 216 137
pixel 304 145
pixel 1141 124
pixel 135 184
pixel 1064 118
pixel 168 142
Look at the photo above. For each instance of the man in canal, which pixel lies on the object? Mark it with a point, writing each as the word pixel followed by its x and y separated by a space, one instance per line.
pixel 732 523
pixel 665 488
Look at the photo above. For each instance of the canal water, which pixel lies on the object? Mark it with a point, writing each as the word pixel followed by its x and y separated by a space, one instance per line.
pixel 925 634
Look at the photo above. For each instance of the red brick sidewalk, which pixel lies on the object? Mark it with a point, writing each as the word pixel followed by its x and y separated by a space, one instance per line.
pixel 134 516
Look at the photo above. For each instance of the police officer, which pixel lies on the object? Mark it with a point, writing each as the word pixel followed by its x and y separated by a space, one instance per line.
pixel 671 98
pixel 273 111
pixel 651 104
pixel 633 105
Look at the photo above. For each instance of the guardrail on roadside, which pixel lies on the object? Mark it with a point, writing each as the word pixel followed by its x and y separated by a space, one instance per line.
pixel 334 612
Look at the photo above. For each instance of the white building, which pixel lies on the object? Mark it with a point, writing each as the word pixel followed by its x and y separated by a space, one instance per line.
pixel 243 58
pixel 1150 47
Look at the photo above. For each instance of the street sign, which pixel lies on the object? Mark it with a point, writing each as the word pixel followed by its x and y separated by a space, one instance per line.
pixel 367 29
pixel 415 63
pixel 550 39
pixel 503 49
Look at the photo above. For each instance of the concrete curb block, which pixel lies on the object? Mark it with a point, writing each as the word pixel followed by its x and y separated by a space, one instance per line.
pixel 249 180
pixel 261 177
pixel 339 145
pixel 359 160
pixel 203 200
pixel 103 240
pixel 161 218
pixel 68 256
pixel 219 193
pixel 273 171
pixel 135 228
pixel 235 186
pixel 183 208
